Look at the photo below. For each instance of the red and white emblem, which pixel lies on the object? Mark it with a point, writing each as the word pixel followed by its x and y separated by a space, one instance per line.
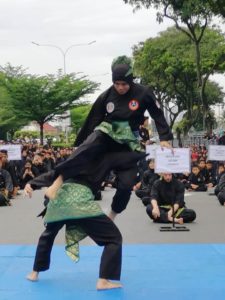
pixel 133 104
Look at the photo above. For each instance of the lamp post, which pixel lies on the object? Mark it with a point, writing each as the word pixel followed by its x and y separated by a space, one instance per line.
pixel 64 52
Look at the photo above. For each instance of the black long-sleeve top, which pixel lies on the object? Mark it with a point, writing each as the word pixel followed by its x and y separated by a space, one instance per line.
pixel 168 193
pixel 221 184
pixel 111 106
pixel 95 172
pixel 196 179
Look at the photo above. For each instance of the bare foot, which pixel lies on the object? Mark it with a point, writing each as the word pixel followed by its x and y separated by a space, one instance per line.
pixel 33 276
pixel 179 221
pixel 112 215
pixel 104 284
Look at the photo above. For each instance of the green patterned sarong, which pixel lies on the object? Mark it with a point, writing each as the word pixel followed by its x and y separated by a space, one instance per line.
pixel 120 132
pixel 73 201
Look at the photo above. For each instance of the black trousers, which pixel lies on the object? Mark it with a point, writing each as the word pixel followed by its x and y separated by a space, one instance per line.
pixel 93 147
pixel 188 215
pixel 100 229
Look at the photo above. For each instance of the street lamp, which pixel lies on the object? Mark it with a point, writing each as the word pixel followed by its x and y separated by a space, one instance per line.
pixel 64 52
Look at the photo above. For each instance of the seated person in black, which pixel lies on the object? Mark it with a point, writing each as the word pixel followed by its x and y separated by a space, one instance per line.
pixel 196 181
pixel 220 188
pixel 211 181
pixel 203 170
pixel 143 187
pixel 167 196
pixel 28 173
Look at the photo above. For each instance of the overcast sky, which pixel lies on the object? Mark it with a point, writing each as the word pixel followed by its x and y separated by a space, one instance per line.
pixel 63 23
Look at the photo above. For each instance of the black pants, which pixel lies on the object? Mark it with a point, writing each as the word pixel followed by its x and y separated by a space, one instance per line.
pixel 94 146
pixel 188 215
pixel 100 229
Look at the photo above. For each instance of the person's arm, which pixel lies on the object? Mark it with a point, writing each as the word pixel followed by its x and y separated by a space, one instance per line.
pixel 157 115
pixel 94 118
pixel 52 190
pixel 43 180
pixel 8 181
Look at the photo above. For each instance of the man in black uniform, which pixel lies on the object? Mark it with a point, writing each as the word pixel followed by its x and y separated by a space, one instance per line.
pixel 165 193
pixel 112 125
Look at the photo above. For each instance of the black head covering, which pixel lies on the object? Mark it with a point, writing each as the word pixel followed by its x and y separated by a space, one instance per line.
pixel 122 69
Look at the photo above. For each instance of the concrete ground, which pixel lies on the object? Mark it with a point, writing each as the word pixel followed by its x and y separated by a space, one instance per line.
pixel 19 224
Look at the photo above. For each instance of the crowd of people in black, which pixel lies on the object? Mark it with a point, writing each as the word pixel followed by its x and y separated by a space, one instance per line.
pixel 35 160
pixel 205 176
pixel 159 191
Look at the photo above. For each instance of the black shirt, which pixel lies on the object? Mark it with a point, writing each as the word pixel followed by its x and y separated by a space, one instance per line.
pixel 111 106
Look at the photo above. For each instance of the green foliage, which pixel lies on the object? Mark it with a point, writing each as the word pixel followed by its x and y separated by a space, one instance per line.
pixel 78 116
pixel 41 98
pixel 167 64
pixel 26 133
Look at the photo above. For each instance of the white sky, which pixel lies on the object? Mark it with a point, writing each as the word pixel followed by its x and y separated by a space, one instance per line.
pixel 63 23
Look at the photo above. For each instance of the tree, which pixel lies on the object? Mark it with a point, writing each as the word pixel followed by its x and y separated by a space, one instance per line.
pixel 8 120
pixel 167 64
pixel 78 116
pixel 196 15
pixel 41 98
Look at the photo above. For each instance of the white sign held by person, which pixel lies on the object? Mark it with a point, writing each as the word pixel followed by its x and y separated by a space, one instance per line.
pixel 175 160
pixel 216 152
pixel 14 151
pixel 150 150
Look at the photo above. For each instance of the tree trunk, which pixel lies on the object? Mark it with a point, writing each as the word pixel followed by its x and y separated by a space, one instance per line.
pixel 41 133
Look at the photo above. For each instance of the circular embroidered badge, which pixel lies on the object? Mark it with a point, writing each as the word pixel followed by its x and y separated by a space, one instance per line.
pixel 133 104
pixel 110 107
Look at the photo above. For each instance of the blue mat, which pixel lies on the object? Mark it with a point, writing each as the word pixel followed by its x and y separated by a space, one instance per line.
pixel 178 272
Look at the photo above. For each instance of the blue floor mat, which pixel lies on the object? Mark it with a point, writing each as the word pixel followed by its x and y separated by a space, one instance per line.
pixel 178 272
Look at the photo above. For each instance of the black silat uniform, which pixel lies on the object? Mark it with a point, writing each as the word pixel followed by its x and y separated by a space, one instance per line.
pixel 167 194
pixel 198 180
pixel 111 106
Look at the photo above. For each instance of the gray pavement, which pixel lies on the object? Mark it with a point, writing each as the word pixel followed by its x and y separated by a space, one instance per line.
pixel 19 224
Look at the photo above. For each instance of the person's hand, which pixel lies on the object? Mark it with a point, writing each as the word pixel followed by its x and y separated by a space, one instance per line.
pixel 165 144
pixel 28 190
pixel 155 212
pixel 194 186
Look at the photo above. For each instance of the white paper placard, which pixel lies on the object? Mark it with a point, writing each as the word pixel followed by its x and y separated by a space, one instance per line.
pixel 176 161
pixel 14 151
pixel 216 152
pixel 150 150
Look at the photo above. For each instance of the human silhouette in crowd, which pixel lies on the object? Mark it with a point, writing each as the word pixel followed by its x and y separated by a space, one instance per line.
pixel 144 133
pixel 143 187
pixel 39 163
pixel 48 160
pixel 211 171
pixel 221 140
pixel 28 172
pixel 6 185
pixel 203 170
pixel 167 197
pixel 220 187
pixel 196 181
pixel 10 166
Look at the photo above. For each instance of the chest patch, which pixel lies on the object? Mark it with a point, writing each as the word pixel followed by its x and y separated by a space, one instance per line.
pixel 110 107
pixel 133 104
